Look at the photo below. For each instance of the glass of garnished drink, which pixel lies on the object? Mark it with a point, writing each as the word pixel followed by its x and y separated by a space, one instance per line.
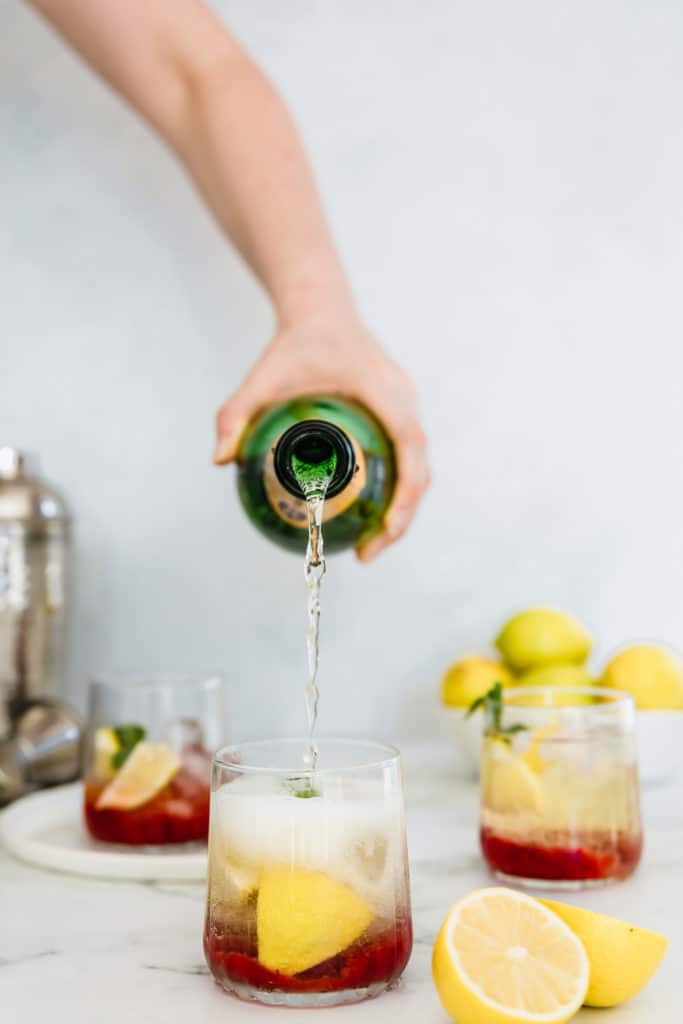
pixel 308 896
pixel 560 801
pixel 148 751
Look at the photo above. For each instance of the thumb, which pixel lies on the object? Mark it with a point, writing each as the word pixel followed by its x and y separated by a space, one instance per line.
pixel 231 420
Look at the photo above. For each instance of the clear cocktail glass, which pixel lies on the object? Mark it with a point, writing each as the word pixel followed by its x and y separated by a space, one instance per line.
pixel 148 751
pixel 308 894
pixel 560 805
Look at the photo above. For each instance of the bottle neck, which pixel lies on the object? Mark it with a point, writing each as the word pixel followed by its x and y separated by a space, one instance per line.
pixel 314 457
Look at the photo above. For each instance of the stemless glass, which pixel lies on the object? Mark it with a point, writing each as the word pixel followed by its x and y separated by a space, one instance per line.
pixel 148 750
pixel 560 803
pixel 308 895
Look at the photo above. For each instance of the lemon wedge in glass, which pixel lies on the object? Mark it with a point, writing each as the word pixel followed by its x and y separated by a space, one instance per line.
pixel 146 771
pixel 242 880
pixel 105 746
pixel 509 783
pixel 305 917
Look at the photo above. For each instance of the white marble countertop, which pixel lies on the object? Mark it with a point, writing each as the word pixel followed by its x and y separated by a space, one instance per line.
pixel 79 951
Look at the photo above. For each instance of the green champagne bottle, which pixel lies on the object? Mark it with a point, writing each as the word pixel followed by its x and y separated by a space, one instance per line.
pixel 290 447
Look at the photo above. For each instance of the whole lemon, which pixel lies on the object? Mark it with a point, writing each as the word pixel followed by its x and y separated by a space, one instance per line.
pixel 652 675
pixel 557 675
pixel 543 636
pixel 470 678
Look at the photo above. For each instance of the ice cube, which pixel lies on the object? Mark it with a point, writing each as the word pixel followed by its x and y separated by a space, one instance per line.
pixel 183 732
pixel 197 762
pixel 368 856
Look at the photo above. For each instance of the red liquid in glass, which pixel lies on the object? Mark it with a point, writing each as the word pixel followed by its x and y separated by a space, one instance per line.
pixel 372 960
pixel 178 814
pixel 597 859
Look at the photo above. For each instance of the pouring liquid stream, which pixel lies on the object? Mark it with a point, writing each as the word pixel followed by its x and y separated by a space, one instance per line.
pixel 314 478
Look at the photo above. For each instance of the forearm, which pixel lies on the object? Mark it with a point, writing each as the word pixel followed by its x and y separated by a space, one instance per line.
pixel 177 64
pixel 244 153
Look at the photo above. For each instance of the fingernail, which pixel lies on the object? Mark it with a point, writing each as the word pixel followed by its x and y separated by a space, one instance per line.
pixel 223 450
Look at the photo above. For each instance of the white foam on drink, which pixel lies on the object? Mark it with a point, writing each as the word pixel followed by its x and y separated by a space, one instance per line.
pixel 353 832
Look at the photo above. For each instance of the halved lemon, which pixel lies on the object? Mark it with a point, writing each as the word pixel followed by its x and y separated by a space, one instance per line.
pixel 622 957
pixel 304 917
pixel 106 744
pixel 501 957
pixel 146 771
pixel 509 783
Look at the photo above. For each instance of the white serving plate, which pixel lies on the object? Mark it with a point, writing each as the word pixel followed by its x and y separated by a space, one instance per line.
pixel 46 829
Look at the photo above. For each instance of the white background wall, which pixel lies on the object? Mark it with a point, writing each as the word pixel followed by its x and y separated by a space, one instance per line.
pixel 505 184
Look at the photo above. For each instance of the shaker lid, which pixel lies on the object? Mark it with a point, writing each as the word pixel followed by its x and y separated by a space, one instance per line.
pixel 24 498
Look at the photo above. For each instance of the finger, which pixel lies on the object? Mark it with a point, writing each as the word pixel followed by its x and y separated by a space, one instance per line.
pixel 413 481
pixel 231 420
pixel 401 518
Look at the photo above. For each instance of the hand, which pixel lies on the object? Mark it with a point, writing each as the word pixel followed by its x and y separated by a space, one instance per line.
pixel 333 355
pixel 178 65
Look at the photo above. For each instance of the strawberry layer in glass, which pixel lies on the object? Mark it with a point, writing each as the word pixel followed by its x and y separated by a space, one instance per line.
pixel 179 813
pixel 377 958
pixel 593 856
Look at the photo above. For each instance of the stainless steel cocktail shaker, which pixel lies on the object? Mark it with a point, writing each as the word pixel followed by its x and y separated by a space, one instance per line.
pixel 33 557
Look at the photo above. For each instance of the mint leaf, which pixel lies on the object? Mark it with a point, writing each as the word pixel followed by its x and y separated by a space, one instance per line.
pixel 492 702
pixel 128 736
pixel 301 786
pixel 475 705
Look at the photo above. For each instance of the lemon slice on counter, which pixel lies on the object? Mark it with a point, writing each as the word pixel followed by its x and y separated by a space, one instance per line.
pixel 105 745
pixel 503 958
pixel 146 771
pixel 304 917
pixel 509 783
pixel 622 957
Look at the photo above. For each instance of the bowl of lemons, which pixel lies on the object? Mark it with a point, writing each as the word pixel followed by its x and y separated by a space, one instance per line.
pixel 550 647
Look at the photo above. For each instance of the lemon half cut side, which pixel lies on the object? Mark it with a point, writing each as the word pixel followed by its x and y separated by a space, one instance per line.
pixel 501 957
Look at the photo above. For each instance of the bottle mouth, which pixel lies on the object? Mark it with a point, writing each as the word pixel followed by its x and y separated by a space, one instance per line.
pixel 314 442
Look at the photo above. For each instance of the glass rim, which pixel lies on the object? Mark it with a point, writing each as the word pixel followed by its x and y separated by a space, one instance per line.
pixel 609 698
pixel 221 758
pixel 155 679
